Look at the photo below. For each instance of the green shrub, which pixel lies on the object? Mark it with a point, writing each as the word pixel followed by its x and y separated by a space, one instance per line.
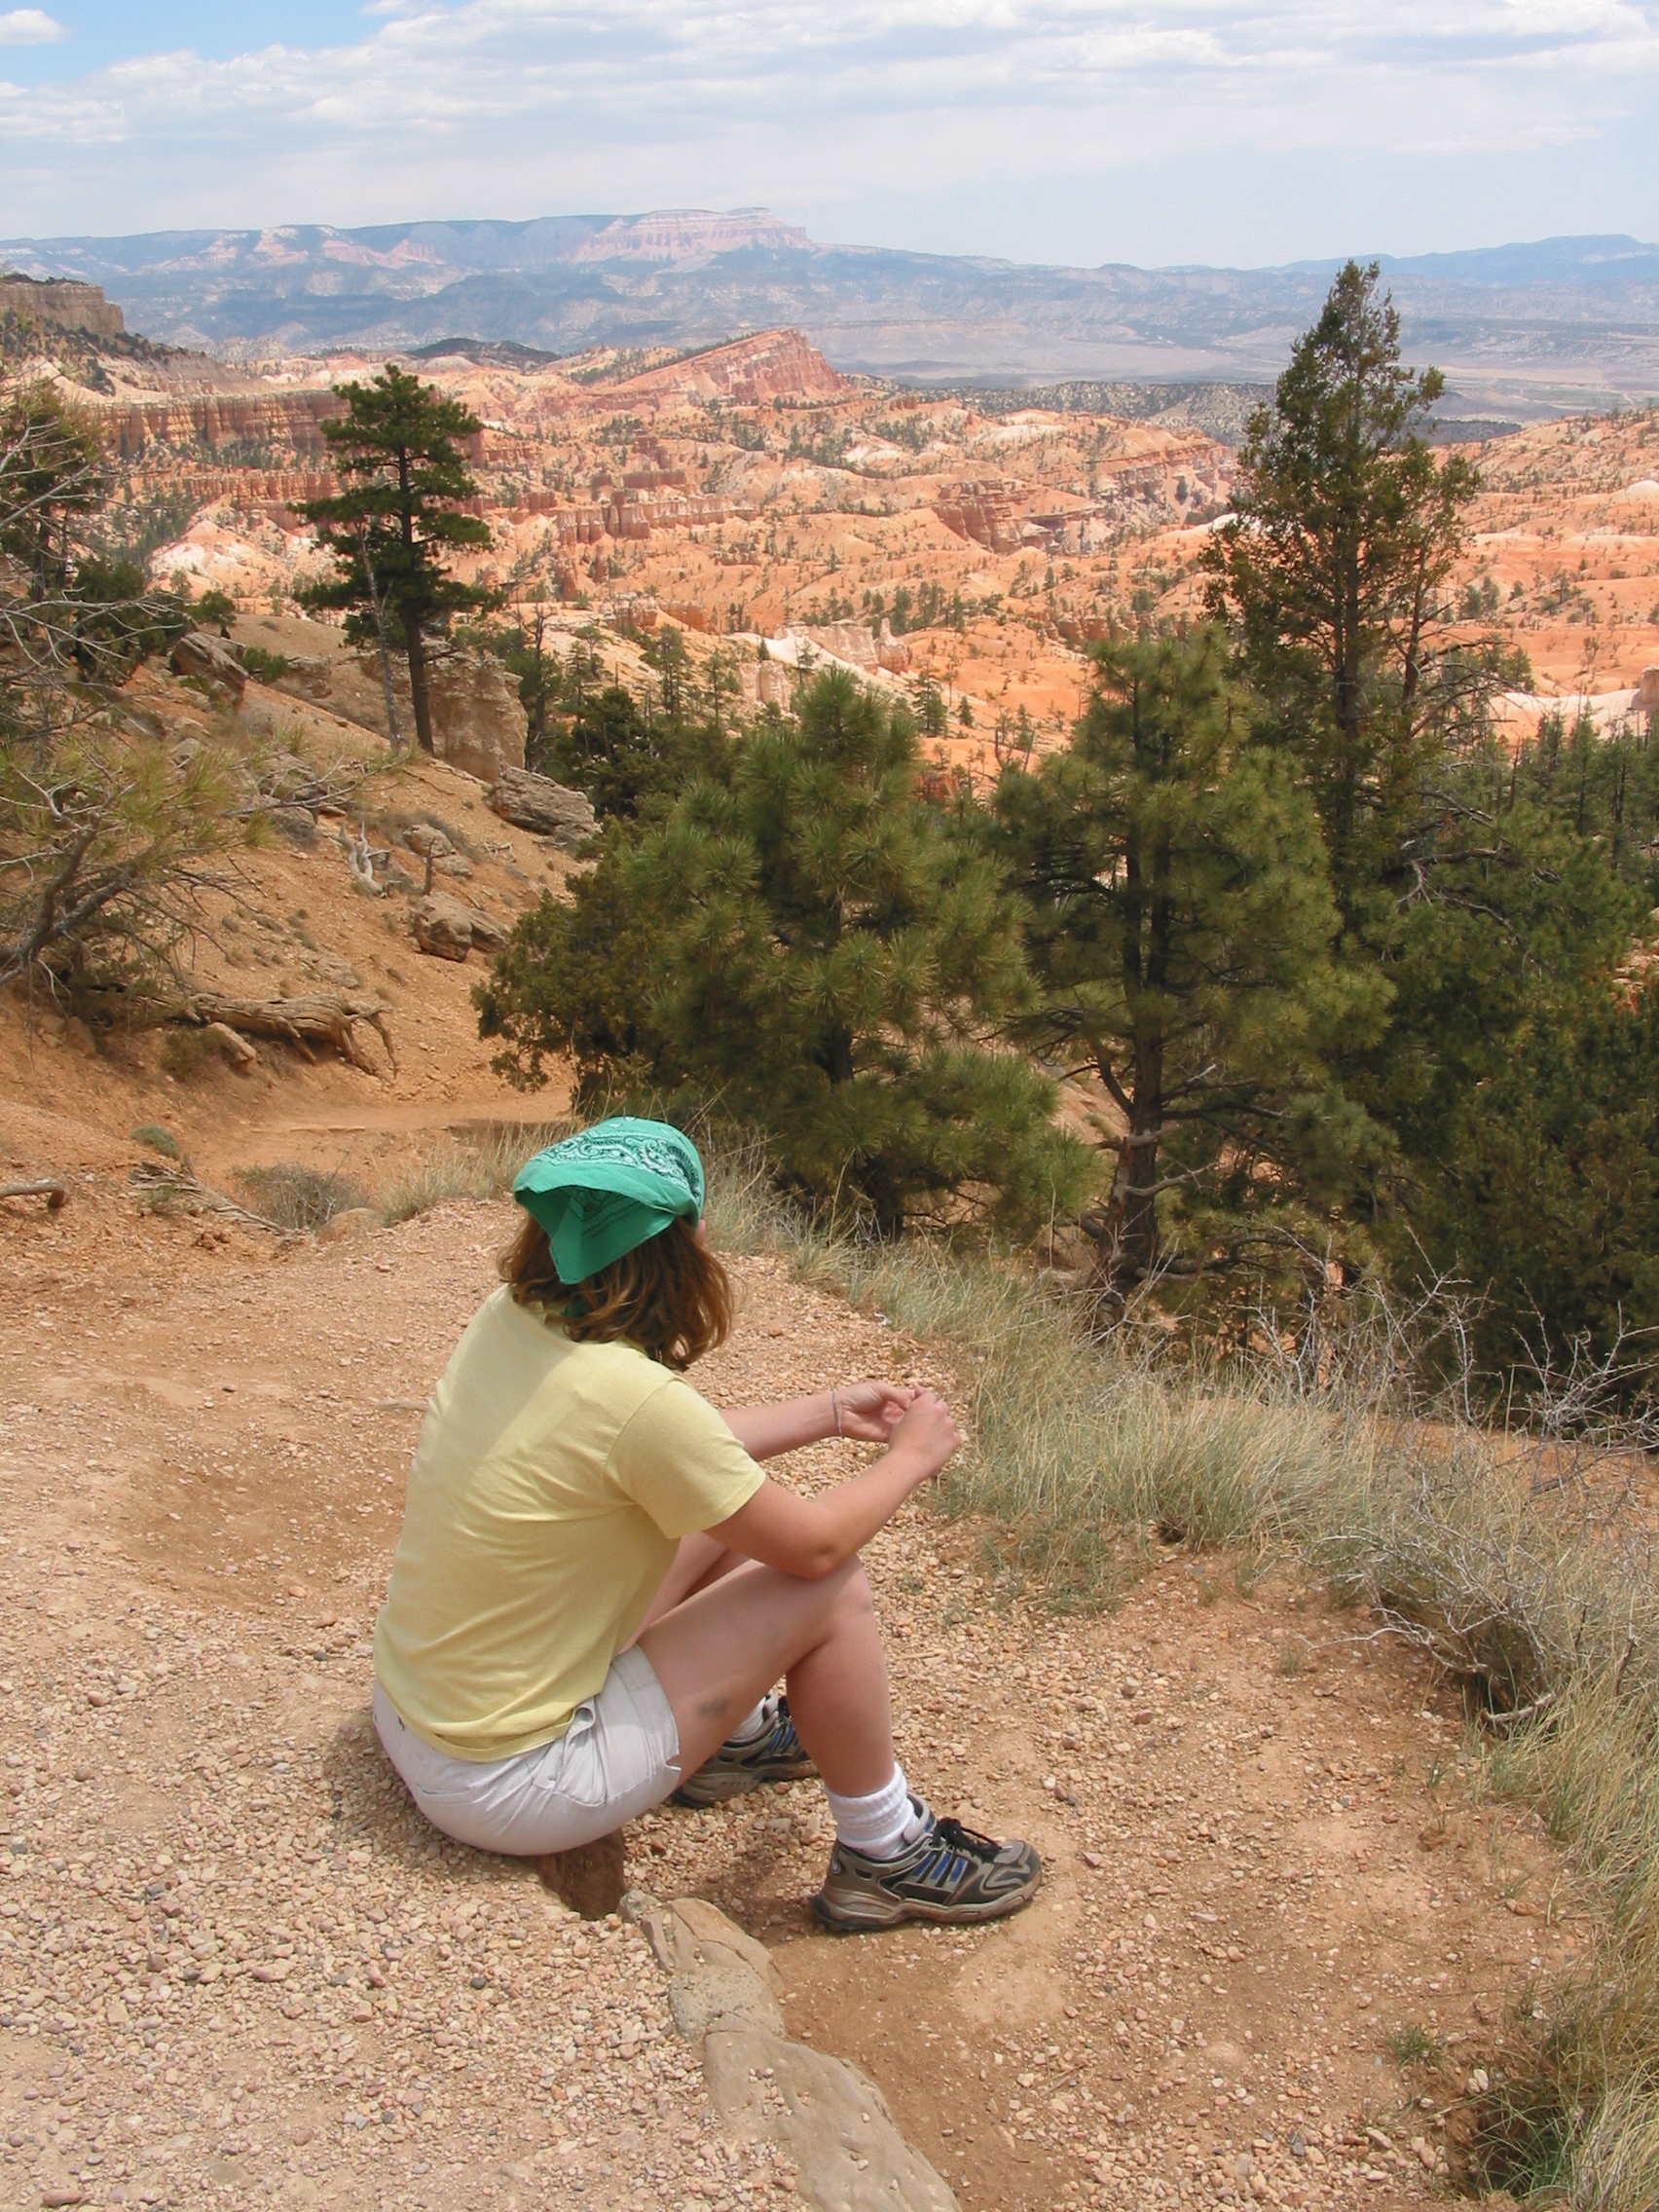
pixel 155 1138
pixel 813 952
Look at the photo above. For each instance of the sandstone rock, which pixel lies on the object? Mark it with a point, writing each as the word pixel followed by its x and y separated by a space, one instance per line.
pixel 422 838
pixel 834 2123
pixel 478 722
pixel 830 2120
pixel 537 803
pixel 451 922
pixel 704 1996
pixel 858 644
pixel 487 934
pixel 202 653
pixel 772 684
pixel 453 864
pixel 1646 700
pixel 443 927
pixel 985 517
pixel 312 675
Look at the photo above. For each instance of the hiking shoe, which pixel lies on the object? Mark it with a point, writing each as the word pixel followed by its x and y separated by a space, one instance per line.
pixel 947 1873
pixel 745 1762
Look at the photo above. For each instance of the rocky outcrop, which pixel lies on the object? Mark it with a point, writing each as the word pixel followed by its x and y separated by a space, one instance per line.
pixel 448 928
pixel 551 810
pixel 211 660
pixel 828 2124
pixel 773 364
pixel 1646 696
pixel 983 517
pixel 772 684
pixel 478 722
pixel 61 303
pixel 857 643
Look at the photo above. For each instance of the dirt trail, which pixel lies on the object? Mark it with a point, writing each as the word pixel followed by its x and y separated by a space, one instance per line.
pixel 1263 1876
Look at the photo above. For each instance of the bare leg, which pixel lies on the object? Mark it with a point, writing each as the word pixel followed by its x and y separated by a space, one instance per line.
pixel 725 1646
pixel 697 1562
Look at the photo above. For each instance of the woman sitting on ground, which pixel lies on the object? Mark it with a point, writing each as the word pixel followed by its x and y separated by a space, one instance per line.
pixel 596 1587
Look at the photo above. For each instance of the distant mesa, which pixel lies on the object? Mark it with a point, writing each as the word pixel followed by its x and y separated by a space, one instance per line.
pixel 684 235
pixel 60 302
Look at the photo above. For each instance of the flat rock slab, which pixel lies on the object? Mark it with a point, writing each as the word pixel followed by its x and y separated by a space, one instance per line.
pixel 552 810
pixel 722 1994
pixel 829 2119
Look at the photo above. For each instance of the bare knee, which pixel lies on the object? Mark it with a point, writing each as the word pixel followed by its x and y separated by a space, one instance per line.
pixel 849 1590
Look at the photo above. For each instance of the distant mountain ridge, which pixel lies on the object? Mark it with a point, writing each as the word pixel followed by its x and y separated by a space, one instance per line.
pixel 1525 327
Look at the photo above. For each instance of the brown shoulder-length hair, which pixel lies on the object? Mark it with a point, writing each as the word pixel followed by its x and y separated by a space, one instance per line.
pixel 669 1295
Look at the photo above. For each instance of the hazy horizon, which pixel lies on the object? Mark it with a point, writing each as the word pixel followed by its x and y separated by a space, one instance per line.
pixel 605 215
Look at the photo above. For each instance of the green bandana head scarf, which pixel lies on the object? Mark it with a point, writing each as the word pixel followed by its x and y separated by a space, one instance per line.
pixel 600 1194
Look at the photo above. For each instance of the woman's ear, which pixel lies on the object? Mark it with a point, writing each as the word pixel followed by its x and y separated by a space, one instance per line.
pixel 702 1230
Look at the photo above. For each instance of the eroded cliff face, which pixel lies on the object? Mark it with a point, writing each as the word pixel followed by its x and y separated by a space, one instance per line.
pixel 856 644
pixel 750 371
pixel 279 424
pixel 61 303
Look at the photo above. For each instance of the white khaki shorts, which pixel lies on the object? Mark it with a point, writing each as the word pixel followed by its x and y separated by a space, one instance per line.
pixel 615 1760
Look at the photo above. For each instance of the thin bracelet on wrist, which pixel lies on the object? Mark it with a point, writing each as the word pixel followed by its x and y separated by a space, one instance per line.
pixel 836 1409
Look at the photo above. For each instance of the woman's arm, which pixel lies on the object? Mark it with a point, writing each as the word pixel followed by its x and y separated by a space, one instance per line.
pixel 811 1537
pixel 867 1412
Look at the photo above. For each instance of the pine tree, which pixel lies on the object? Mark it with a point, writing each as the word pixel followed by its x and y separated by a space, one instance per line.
pixel 1181 925
pixel 1346 528
pixel 398 519
pixel 813 952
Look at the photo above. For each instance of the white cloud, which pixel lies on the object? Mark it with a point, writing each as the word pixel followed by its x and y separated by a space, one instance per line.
pixel 530 106
pixel 29 26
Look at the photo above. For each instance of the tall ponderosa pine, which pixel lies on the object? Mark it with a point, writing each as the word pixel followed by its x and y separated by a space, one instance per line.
pixel 398 519
pixel 1346 529
pixel 1180 933
pixel 1492 895
pixel 812 952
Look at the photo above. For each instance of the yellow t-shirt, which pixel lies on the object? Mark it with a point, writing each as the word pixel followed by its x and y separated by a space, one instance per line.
pixel 550 1486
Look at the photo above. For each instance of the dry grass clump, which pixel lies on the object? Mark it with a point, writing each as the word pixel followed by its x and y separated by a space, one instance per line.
pixel 294 1197
pixel 473 1164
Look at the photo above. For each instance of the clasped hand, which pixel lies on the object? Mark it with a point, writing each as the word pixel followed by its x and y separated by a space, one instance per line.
pixel 870 1412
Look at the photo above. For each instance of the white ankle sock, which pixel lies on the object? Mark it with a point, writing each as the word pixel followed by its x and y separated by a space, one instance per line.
pixel 880 1825
pixel 755 1722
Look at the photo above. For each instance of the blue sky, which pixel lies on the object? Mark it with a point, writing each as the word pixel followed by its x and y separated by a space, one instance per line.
pixel 1240 131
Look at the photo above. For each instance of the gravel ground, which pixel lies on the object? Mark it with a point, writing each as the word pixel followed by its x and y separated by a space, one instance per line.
pixel 234 1962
